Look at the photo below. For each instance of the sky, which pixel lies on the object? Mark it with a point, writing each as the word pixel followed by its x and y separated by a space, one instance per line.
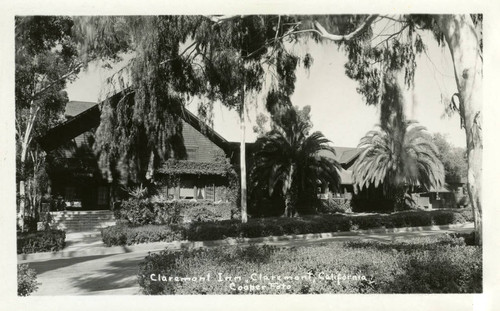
pixel 337 110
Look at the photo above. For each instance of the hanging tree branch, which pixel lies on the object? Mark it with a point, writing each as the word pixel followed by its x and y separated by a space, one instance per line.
pixel 70 72
pixel 325 34
pixel 218 19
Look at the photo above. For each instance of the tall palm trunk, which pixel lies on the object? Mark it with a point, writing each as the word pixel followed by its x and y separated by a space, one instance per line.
pixel 400 198
pixel 463 42
pixel 291 202
pixel 292 193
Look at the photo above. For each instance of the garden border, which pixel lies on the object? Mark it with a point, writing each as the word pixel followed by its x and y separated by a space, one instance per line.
pixel 159 246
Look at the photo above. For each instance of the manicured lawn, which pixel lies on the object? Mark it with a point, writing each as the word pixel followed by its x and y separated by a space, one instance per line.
pixel 422 265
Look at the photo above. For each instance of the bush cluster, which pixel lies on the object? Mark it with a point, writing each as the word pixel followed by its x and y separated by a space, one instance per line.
pixel 335 205
pixel 40 241
pixel 467 214
pixel 318 224
pixel 26 280
pixel 422 265
pixel 123 234
pixel 145 212
pixel 263 227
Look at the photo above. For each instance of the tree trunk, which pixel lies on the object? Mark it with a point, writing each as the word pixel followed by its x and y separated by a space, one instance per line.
pixel 291 194
pixel 291 201
pixel 243 166
pixel 463 42
pixel 22 187
pixel 24 152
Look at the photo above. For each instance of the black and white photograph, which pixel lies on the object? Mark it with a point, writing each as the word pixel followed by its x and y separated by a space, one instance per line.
pixel 263 155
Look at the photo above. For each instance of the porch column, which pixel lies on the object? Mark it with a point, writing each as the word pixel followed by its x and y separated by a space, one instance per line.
pixel 177 194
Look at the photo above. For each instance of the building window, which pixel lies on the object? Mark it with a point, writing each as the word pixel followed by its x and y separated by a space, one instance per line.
pixel 210 191
pixel 186 189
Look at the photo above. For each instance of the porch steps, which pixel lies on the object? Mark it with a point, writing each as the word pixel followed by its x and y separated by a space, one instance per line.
pixel 81 221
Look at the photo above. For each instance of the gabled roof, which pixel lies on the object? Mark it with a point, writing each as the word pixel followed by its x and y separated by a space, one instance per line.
pixel 85 116
pixel 78 124
pixel 74 108
pixel 205 129
pixel 344 155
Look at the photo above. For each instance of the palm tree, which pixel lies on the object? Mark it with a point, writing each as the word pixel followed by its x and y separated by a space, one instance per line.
pixel 398 157
pixel 287 159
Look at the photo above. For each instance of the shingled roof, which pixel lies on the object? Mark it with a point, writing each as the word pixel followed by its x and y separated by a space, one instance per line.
pixel 84 116
pixel 344 155
pixel 74 108
pixel 71 128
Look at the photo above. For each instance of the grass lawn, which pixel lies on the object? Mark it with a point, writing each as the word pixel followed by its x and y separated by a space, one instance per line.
pixel 421 265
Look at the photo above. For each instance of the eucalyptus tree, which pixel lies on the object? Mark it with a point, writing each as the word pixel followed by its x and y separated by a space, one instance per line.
pixel 371 56
pixel 177 58
pixel 226 50
pixel 45 59
pixel 394 49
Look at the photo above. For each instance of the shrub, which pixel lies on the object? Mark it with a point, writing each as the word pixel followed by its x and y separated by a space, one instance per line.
pixel 144 211
pixel 263 227
pixel 445 218
pixel 167 213
pixel 335 205
pixel 26 280
pixel 30 224
pixel 467 214
pixel 468 238
pixel 429 265
pixel 136 211
pixel 41 241
pixel 198 231
pixel 212 230
pixel 411 219
pixel 200 213
pixel 454 269
pixel 128 235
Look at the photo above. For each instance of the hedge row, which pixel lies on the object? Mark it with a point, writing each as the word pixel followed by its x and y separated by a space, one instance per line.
pixel 123 234
pixel 422 265
pixel 317 224
pixel 40 241
pixel 145 212
pixel 205 231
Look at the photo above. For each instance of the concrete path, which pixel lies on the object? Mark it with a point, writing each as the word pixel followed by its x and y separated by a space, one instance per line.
pixel 116 274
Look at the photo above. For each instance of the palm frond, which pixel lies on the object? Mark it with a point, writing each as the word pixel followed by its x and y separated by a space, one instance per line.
pixel 387 159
